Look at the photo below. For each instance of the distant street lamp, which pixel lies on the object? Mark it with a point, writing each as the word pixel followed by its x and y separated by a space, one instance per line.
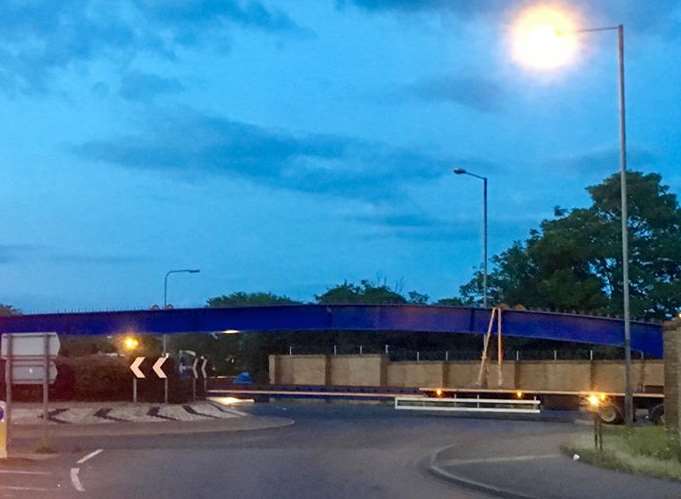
pixel 461 171
pixel 130 343
pixel 544 39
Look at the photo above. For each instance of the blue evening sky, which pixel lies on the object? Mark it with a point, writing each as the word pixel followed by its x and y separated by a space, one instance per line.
pixel 288 145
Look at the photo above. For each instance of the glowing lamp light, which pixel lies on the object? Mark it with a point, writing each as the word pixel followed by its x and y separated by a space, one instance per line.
pixel 438 392
pixel 594 401
pixel 544 38
pixel 130 343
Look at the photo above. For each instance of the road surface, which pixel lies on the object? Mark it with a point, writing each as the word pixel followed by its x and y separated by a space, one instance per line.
pixel 333 451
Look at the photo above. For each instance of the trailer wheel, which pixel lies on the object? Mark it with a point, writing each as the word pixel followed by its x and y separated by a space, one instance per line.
pixel 657 414
pixel 611 414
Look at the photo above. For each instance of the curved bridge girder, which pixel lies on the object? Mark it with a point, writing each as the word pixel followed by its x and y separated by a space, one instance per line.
pixel 645 337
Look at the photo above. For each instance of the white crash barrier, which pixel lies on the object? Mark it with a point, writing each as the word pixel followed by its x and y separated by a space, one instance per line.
pixel 511 406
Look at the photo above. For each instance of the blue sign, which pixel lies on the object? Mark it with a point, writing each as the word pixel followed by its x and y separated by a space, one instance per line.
pixel 2 414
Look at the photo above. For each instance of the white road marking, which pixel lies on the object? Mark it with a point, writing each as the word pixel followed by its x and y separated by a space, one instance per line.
pixel 32 489
pixel 90 456
pixel 23 472
pixel 459 462
pixel 75 481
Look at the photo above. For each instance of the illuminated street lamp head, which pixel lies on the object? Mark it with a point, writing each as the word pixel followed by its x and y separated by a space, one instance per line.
pixel 130 343
pixel 543 38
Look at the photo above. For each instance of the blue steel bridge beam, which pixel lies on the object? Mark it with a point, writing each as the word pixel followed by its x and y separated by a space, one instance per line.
pixel 646 337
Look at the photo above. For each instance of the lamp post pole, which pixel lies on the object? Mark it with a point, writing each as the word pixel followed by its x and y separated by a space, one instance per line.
pixel 165 305
pixel 628 390
pixel 461 171
pixel 628 393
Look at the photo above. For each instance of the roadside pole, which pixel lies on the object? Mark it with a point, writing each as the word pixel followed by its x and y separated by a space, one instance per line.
pixel 195 373
pixel 46 389
pixel 204 374
pixel 8 390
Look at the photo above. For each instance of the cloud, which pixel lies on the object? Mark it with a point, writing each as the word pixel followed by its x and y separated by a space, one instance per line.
pixel 82 259
pixel 415 225
pixel 193 144
pixel 189 18
pixel 461 8
pixel 20 253
pixel 604 161
pixel 659 17
pixel 477 93
pixel 144 87
pixel 41 37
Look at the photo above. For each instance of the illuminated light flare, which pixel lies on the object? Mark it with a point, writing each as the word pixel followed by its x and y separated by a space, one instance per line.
pixel 594 400
pixel 130 343
pixel 544 38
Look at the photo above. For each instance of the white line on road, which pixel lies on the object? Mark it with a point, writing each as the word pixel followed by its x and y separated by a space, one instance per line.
pixel 459 462
pixel 23 472
pixel 32 489
pixel 75 481
pixel 90 456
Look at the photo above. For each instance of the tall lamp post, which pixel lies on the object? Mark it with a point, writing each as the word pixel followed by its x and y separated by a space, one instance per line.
pixel 461 171
pixel 544 35
pixel 165 306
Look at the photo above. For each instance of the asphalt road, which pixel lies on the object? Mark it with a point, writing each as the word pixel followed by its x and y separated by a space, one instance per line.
pixel 333 451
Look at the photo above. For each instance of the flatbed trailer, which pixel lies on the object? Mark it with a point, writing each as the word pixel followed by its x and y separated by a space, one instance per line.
pixel 610 405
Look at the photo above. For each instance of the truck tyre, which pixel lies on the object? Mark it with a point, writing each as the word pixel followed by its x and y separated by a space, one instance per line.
pixel 611 414
pixel 657 414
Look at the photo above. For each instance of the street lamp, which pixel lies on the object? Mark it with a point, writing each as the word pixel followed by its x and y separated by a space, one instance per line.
pixel 548 30
pixel 165 281
pixel 165 306
pixel 461 171
pixel 130 343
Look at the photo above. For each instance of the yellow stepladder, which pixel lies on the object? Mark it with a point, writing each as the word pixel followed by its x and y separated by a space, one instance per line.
pixel 495 315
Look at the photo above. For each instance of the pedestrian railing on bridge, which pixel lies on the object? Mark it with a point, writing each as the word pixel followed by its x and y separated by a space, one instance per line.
pixel 494 405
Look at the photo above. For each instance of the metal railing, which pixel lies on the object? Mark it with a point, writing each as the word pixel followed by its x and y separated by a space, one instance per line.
pixel 477 404
pixel 425 355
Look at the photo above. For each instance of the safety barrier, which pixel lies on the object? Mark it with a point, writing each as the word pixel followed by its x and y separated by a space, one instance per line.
pixel 510 406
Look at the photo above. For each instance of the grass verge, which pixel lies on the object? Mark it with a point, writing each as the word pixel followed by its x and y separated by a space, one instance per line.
pixel 649 450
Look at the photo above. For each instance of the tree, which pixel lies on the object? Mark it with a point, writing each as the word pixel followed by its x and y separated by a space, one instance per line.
pixel 417 298
pixel 8 310
pixel 240 299
pixel 454 301
pixel 574 261
pixel 365 293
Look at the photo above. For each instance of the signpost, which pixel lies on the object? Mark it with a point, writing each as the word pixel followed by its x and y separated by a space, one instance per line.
pixel 204 364
pixel 195 374
pixel 29 360
pixel 135 367
pixel 158 367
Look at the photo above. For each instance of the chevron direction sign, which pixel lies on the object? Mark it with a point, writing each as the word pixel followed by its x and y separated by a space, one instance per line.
pixel 135 367
pixel 157 368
